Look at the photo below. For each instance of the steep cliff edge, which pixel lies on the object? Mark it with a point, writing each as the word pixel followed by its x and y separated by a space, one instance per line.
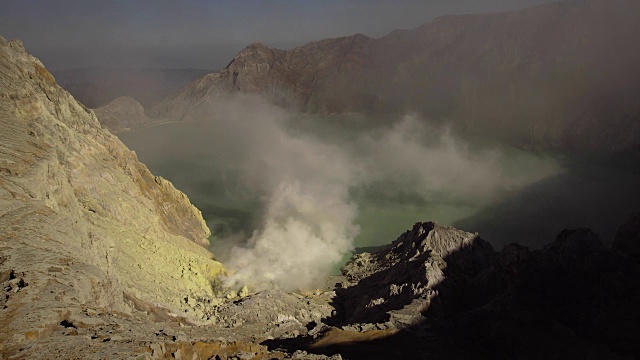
pixel 83 224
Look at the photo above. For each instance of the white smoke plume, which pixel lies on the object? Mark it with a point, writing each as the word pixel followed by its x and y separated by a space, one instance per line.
pixel 308 217
pixel 431 161
pixel 308 221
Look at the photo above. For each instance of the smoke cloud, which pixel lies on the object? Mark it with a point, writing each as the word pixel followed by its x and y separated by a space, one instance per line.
pixel 305 183
pixel 307 223
pixel 433 162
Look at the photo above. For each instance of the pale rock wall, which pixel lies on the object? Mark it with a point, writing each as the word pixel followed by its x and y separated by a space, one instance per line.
pixel 83 224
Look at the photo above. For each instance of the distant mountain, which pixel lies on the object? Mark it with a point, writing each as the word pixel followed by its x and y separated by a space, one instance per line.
pixel 561 75
pixel 290 78
pixel 122 114
pixel 95 87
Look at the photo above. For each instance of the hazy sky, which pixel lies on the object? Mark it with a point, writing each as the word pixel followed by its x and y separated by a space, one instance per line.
pixel 205 34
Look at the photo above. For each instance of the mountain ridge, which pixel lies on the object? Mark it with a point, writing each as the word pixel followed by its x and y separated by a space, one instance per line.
pixel 554 76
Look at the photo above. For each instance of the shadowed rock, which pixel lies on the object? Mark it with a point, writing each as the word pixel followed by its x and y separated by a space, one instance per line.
pixel 444 293
pixel 628 237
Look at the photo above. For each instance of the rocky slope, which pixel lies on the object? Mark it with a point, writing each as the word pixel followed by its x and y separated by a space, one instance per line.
pixel 83 223
pixel 444 293
pixel 560 75
pixel 122 114
pixel 101 259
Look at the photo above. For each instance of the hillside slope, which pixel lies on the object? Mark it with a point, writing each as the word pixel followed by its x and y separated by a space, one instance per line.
pixel 83 224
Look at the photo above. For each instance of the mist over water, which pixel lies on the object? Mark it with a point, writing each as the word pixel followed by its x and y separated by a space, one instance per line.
pixel 288 197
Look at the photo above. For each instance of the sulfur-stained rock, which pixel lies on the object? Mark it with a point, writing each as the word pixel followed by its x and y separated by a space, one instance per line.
pixel 83 224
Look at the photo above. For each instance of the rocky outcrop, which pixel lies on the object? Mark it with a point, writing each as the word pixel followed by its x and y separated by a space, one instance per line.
pixel 560 75
pixel 397 284
pixel 444 293
pixel 122 114
pixel 83 224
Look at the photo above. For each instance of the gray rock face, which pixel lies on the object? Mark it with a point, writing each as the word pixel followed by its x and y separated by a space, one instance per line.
pixel 122 114
pixel 559 75
pixel 410 272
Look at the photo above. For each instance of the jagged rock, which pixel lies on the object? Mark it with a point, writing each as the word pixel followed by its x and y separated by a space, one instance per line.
pixel 285 311
pixel 452 296
pixel 301 354
pixel 409 273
